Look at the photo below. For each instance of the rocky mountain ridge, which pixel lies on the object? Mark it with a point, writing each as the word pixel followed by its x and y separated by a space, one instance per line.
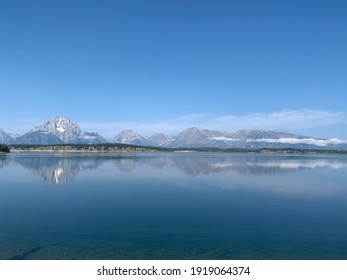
pixel 133 138
pixel 4 137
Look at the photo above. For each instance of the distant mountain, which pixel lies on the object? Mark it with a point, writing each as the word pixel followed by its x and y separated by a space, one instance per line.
pixel 260 139
pixel 195 138
pixel 38 138
pixel 131 137
pixel 90 138
pixel 161 139
pixel 59 130
pixel 255 134
pixel 14 136
pixel 5 138
pixel 250 139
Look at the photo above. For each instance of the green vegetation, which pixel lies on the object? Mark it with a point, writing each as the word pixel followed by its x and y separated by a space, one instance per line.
pixel 4 148
pixel 134 148
pixel 87 148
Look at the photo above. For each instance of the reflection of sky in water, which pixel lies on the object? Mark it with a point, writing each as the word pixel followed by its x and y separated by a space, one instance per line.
pixel 165 205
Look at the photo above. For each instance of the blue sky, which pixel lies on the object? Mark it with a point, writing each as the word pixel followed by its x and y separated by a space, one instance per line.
pixel 165 65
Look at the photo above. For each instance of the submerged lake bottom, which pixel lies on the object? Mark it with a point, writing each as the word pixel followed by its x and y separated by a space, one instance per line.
pixel 172 206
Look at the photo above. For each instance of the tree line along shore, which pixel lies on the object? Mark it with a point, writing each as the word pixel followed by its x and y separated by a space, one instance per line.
pixel 4 148
pixel 117 147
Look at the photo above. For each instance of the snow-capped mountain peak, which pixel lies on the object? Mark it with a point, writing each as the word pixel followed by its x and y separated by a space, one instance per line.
pixel 65 129
pixel 68 131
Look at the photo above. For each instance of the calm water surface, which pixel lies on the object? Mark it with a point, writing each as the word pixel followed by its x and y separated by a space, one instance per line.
pixel 172 206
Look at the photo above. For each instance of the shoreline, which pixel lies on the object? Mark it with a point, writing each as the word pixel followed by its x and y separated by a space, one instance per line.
pixel 121 148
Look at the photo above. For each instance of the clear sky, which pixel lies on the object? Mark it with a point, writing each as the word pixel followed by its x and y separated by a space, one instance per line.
pixel 166 65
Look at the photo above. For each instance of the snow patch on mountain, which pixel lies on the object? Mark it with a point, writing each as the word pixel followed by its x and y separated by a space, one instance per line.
pixel 59 126
pixel 69 132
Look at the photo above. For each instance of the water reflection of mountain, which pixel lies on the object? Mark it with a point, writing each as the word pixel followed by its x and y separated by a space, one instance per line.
pixel 3 160
pixel 128 164
pixel 56 169
pixel 59 169
pixel 247 164
pixel 199 164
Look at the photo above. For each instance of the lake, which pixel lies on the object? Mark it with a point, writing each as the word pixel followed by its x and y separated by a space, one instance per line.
pixel 172 206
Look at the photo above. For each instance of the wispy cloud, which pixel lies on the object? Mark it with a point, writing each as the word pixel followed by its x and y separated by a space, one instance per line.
pixel 309 141
pixel 285 120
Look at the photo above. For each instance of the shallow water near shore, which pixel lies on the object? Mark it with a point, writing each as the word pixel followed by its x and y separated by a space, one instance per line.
pixel 172 206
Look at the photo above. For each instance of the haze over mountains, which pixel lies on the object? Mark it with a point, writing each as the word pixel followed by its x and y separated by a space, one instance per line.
pixel 61 130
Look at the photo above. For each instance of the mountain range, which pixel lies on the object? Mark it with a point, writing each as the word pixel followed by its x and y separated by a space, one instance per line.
pixel 61 130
